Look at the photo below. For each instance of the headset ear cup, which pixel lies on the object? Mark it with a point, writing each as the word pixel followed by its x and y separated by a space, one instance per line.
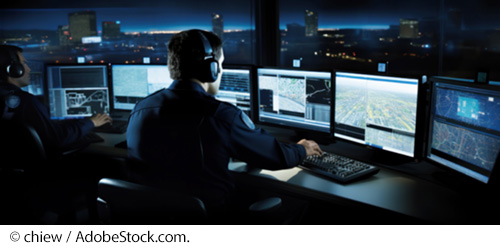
pixel 209 71
pixel 15 70
pixel 214 70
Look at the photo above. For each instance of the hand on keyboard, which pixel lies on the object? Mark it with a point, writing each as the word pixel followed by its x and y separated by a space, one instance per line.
pixel 101 119
pixel 312 148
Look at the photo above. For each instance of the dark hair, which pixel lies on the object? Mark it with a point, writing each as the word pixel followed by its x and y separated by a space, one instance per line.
pixel 186 52
pixel 6 59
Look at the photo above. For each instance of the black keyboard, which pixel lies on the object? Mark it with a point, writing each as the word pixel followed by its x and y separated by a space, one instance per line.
pixel 117 127
pixel 339 168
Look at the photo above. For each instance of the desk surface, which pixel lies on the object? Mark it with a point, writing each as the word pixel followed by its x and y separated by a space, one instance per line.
pixel 389 189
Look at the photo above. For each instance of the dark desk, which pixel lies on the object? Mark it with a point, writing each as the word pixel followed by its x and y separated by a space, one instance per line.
pixel 391 189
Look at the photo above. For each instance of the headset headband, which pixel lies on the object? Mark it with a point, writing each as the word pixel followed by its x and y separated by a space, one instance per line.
pixel 206 45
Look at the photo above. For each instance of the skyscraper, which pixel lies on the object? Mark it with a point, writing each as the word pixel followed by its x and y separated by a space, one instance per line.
pixel 408 29
pixel 82 24
pixel 218 24
pixel 110 30
pixel 63 33
pixel 311 19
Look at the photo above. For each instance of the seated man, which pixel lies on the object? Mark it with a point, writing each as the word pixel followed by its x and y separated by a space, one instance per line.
pixel 22 107
pixel 187 137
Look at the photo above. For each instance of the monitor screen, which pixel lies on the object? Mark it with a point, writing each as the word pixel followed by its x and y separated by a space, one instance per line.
pixel 295 98
pixel 36 78
pixel 235 88
pixel 378 111
pixel 132 83
pixel 464 127
pixel 77 91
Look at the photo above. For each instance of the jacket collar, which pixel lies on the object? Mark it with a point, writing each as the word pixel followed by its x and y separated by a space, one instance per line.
pixel 187 85
pixel 7 87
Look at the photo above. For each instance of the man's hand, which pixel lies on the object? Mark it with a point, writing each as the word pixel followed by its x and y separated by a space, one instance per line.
pixel 100 119
pixel 312 148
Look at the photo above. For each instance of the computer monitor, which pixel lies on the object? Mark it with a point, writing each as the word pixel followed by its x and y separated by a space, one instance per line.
pixel 36 78
pixel 464 127
pixel 377 111
pixel 295 98
pixel 132 83
pixel 235 87
pixel 77 91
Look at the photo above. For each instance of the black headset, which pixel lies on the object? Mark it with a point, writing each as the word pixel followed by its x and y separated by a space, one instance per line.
pixel 209 69
pixel 15 69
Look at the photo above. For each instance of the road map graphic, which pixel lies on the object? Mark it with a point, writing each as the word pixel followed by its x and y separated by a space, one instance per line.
pixel 86 102
pixel 318 100
pixel 476 148
pixel 467 115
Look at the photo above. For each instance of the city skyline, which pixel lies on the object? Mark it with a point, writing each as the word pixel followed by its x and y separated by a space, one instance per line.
pixel 131 19
pixel 373 14
pixel 146 19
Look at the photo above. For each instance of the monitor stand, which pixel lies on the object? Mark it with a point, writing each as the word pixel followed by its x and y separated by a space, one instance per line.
pixel 320 138
pixel 389 158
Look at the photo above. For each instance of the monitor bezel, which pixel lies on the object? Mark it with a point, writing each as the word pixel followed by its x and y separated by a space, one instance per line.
pixel 252 88
pixel 111 85
pixel 303 131
pixel 420 116
pixel 46 95
pixel 428 127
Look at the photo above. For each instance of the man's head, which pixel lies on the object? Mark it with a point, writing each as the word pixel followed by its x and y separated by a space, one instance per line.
pixel 187 56
pixel 13 67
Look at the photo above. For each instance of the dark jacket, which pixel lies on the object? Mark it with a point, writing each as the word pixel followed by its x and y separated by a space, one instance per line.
pixel 20 106
pixel 188 138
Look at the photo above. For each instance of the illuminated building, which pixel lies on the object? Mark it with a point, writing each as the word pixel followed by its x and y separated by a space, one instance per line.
pixel 218 24
pixel 311 19
pixel 408 29
pixel 82 24
pixel 63 33
pixel 110 30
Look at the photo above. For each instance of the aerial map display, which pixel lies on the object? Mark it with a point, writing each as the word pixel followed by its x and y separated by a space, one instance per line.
pixel 384 109
pixel 291 95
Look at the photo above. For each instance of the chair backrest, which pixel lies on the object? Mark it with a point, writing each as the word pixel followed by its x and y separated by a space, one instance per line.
pixel 495 174
pixel 20 146
pixel 123 202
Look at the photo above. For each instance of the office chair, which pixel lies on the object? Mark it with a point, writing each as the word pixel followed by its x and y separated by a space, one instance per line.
pixel 20 147
pixel 21 151
pixel 123 202
pixel 495 175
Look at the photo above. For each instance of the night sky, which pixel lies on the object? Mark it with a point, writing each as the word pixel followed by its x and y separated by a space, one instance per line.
pixel 477 14
pixel 178 15
pixel 150 15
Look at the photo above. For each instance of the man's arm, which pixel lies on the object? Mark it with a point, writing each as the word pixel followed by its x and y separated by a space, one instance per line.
pixel 256 147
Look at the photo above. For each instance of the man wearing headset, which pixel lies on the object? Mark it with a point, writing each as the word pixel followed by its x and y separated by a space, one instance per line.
pixel 187 137
pixel 22 107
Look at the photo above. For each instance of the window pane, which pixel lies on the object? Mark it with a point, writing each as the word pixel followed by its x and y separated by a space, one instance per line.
pixel 356 35
pixel 125 33
pixel 471 38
